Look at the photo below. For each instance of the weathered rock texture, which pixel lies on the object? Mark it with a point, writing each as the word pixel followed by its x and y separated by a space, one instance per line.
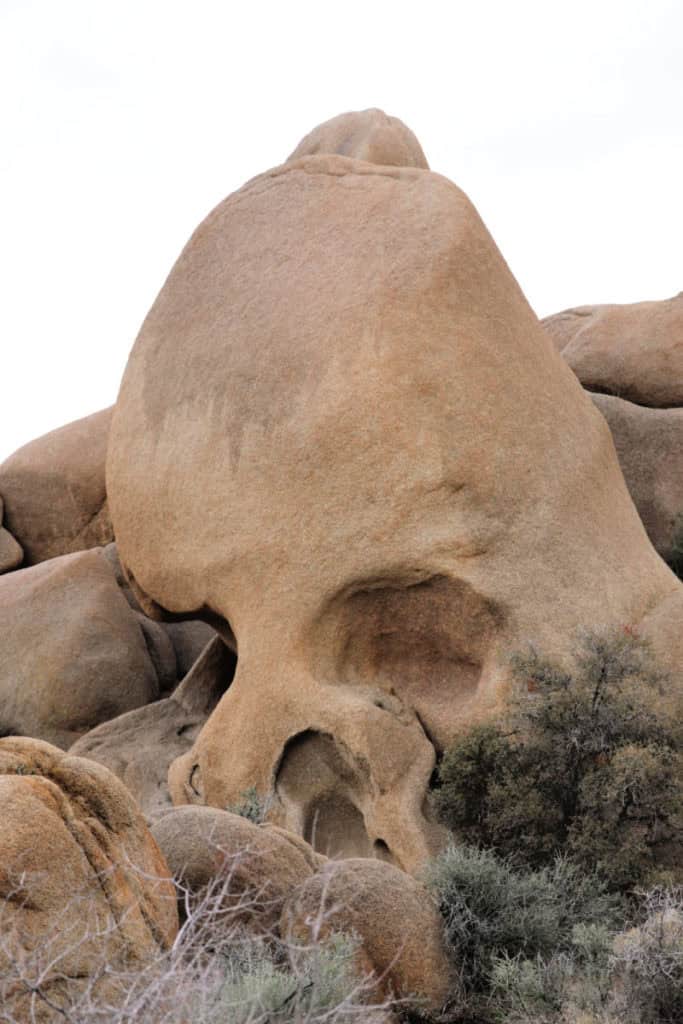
pixel 139 746
pixel 633 351
pixel 251 868
pixel 399 927
pixel 365 135
pixel 343 433
pixel 54 493
pixel 83 886
pixel 72 652
pixel 11 553
pixel 649 444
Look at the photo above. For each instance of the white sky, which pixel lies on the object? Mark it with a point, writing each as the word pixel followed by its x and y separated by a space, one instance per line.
pixel 122 123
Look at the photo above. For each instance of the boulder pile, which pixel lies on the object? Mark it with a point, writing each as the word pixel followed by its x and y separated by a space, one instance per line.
pixel 348 473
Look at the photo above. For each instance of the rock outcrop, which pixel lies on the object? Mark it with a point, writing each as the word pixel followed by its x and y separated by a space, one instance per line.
pixel 85 891
pixel 365 135
pixel 73 653
pixel 343 433
pixel 632 351
pixel 54 492
pixel 140 745
pixel 649 444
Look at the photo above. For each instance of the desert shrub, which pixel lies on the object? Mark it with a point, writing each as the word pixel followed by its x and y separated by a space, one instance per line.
pixel 583 766
pixel 251 806
pixel 216 973
pixel 494 911
pixel 635 977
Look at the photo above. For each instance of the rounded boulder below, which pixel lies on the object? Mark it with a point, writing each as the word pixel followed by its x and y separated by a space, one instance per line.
pixel 632 351
pixel 54 490
pixel 85 891
pixel 252 868
pixel 398 926
pixel 74 654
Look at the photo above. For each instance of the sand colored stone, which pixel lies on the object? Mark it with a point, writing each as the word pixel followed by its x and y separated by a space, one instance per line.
pixel 632 351
pixel 399 928
pixel 343 435
pixel 365 135
pixel 140 745
pixel 54 493
pixel 649 444
pixel 76 859
pixel 72 652
pixel 258 866
pixel 11 553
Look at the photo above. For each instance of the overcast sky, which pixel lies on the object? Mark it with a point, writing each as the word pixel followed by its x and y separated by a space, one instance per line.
pixel 124 123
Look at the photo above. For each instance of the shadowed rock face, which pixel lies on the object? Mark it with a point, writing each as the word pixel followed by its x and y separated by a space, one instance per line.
pixel 54 493
pixel 357 450
pixel 649 444
pixel 633 351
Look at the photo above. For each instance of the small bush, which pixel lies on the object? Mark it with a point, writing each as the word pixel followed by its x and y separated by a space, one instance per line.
pixel 492 909
pixel 251 806
pixel 584 767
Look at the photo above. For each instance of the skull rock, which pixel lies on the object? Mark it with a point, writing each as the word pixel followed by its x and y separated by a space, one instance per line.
pixel 343 437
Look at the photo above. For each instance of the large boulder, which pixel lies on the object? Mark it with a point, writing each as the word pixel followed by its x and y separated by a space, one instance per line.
pixel 73 653
pixel 632 351
pixel 11 553
pixel 250 869
pixel 86 894
pixel 54 493
pixel 649 443
pixel 343 434
pixel 140 745
pixel 397 923
pixel 365 135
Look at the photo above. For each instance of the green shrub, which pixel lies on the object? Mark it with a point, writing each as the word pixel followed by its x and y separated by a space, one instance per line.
pixel 635 977
pixel 491 909
pixel 584 766
pixel 251 806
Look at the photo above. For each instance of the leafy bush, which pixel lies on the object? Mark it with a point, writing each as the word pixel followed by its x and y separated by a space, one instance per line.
pixel 584 766
pixel 492 909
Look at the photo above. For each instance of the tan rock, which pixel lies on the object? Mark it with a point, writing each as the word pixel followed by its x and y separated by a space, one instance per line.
pixel 368 135
pixel 649 444
pixel 632 351
pixel 260 864
pixel 343 432
pixel 187 639
pixel 11 553
pixel 83 886
pixel 53 487
pixel 140 745
pixel 73 654
pixel 399 927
